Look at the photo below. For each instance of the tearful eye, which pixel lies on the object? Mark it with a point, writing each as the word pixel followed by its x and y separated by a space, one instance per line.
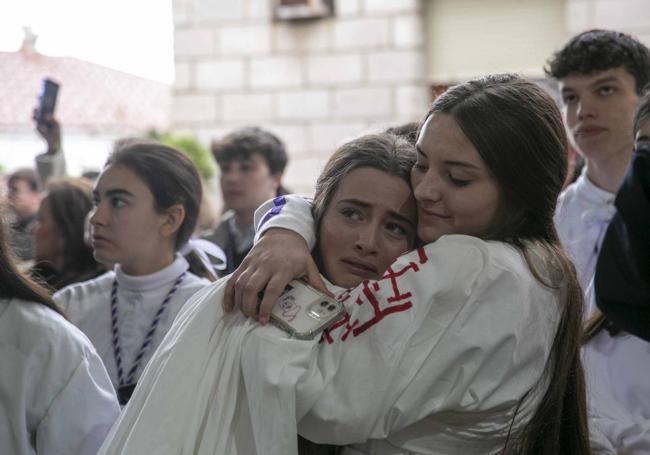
pixel 351 214
pixel 396 230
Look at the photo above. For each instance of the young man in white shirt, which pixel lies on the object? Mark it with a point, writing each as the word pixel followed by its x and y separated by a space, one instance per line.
pixel 601 75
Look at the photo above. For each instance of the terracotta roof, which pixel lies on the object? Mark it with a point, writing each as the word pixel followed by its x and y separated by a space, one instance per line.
pixel 92 98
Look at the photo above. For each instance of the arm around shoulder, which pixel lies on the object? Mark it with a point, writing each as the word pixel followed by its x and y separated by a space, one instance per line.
pixel 289 212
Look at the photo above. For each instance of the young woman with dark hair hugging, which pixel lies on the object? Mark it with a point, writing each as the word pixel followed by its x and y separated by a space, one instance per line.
pixel 469 344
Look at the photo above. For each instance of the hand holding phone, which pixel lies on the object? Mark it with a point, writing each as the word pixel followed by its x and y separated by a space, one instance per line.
pixel 47 100
pixel 46 124
pixel 303 312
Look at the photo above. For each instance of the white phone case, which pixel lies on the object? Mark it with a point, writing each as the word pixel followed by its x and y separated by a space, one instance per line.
pixel 303 312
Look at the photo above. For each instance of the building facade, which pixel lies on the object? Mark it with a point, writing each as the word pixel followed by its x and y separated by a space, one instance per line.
pixel 370 65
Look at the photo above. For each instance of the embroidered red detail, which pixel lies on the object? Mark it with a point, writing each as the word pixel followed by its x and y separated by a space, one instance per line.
pixel 327 333
pixel 379 313
pixel 422 255
pixel 397 302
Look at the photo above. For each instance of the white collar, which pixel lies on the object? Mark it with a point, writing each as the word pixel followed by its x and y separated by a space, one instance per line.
pixel 585 189
pixel 154 280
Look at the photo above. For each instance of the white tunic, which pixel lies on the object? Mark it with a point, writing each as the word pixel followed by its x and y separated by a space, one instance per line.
pixel 617 370
pixel 55 395
pixel 88 306
pixel 431 359
pixel 581 218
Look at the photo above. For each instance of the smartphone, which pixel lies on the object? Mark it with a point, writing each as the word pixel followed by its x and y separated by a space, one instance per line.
pixel 303 312
pixel 47 99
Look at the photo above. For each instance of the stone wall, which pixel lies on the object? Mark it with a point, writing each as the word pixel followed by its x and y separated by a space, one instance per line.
pixel 630 16
pixel 317 83
pixel 314 83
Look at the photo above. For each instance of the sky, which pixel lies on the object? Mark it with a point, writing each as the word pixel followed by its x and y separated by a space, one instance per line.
pixel 134 36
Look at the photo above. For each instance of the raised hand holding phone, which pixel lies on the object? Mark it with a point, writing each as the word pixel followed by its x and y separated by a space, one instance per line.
pixel 46 124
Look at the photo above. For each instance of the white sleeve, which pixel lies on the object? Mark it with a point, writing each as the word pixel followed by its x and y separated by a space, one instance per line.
pixel 63 297
pixel 446 329
pixel 82 413
pixel 288 212
pixel 50 165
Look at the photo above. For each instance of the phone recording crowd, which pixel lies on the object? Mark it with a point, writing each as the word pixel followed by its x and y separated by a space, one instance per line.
pixel 462 284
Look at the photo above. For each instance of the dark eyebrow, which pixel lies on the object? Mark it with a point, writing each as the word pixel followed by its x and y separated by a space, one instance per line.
pixel 644 138
pixel 450 162
pixel 603 80
pixel 462 164
pixel 364 204
pixel 115 192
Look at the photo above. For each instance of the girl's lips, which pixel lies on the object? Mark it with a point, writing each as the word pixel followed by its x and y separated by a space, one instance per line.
pixel 588 131
pixel 434 214
pixel 360 268
pixel 97 240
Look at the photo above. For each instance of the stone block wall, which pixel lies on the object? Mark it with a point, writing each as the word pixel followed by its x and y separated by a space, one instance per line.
pixel 314 83
pixel 629 16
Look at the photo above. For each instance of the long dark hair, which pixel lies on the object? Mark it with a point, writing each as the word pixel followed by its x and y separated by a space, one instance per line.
pixel 15 284
pixel 69 200
pixel 517 130
pixel 170 176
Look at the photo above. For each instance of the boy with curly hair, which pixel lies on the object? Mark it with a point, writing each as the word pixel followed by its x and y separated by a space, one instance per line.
pixel 601 75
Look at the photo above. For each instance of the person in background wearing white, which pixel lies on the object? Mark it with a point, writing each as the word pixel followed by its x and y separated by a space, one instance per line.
pixel 146 205
pixel 601 75
pixel 617 362
pixel 55 394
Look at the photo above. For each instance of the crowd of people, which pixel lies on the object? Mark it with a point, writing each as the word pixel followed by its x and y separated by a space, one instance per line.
pixel 495 299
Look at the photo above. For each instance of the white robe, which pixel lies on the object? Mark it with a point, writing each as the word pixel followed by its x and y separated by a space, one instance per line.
pixel 617 371
pixel 433 359
pixel 55 395
pixel 616 368
pixel 88 306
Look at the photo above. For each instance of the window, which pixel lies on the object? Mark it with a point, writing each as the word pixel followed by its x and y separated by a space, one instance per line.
pixel 302 9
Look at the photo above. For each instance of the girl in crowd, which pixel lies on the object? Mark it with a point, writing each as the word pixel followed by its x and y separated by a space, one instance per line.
pixel 62 257
pixel 362 228
pixel 485 357
pixel 617 362
pixel 55 394
pixel 146 205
